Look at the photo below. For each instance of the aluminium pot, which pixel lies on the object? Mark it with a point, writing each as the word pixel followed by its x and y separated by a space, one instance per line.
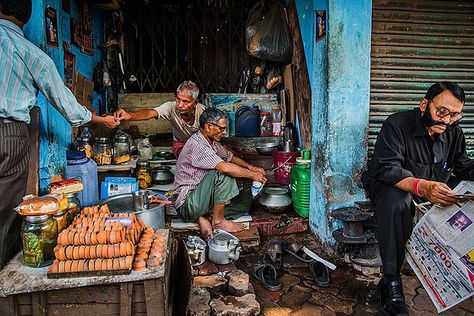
pixel 275 199
pixel 162 175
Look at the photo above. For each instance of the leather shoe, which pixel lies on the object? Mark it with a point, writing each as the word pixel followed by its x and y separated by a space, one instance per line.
pixel 392 300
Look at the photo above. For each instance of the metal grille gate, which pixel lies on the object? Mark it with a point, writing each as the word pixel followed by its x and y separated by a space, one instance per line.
pixel 415 44
pixel 169 41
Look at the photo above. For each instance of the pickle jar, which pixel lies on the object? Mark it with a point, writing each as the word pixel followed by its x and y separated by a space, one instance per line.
pixel 62 218
pixel 102 151
pixel 121 149
pixel 73 207
pixel 142 172
pixel 39 236
pixel 83 144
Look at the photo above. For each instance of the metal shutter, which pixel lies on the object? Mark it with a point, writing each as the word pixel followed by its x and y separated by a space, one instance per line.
pixel 416 44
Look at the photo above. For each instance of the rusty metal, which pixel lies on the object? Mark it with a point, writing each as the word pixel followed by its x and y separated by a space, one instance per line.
pixel 417 43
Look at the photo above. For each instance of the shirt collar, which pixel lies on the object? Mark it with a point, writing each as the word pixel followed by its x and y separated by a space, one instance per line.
pixel 201 135
pixel 12 26
pixel 420 128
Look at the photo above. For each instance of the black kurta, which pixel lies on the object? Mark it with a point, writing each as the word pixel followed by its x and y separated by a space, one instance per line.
pixel 404 149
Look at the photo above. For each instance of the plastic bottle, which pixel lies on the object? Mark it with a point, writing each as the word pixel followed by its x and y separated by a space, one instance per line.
pixel 84 169
pixel 266 125
pixel 276 119
pixel 301 183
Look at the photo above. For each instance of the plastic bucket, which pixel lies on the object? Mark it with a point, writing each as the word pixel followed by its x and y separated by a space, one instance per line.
pixel 283 161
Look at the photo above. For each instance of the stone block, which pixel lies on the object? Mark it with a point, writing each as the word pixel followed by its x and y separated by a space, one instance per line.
pixel 199 302
pixel 239 284
pixel 235 306
pixel 213 283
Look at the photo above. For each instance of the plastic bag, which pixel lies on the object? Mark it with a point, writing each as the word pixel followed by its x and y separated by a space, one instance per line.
pixel 145 149
pixel 266 33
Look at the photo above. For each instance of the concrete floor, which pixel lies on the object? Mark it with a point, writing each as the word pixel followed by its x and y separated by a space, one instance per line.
pixel 350 293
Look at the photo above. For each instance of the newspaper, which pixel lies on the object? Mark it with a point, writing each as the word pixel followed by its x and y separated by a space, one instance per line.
pixel 441 251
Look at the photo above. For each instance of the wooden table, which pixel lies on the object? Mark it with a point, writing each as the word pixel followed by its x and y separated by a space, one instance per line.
pixel 28 291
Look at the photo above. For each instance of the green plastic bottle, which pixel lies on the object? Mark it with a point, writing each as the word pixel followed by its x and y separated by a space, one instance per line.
pixel 301 183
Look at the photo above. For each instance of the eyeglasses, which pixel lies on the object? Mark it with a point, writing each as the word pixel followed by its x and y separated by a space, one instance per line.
pixel 221 128
pixel 442 112
pixel 186 102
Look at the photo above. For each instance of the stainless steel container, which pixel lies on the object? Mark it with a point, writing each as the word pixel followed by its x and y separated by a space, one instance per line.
pixel 223 247
pixel 275 199
pixel 196 248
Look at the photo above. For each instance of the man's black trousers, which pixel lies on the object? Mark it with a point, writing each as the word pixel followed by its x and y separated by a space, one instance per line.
pixel 14 156
pixel 394 210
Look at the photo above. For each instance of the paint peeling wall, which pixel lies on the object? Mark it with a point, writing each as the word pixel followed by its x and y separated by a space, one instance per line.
pixel 55 131
pixel 339 68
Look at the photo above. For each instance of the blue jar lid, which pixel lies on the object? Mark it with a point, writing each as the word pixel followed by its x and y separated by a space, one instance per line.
pixel 75 155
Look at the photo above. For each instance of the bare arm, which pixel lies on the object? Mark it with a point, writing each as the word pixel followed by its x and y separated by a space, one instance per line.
pixel 433 191
pixel 236 171
pixel 109 120
pixel 140 115
pixel 242 163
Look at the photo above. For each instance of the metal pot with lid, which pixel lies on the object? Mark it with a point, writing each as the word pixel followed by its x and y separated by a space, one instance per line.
pixel 162 175
pixel 275 199
pixel 223 247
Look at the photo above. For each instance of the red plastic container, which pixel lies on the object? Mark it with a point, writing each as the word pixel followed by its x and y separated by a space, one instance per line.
pixel 285 160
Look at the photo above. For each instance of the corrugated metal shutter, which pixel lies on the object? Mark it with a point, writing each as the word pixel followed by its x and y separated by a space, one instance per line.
pixel 416 44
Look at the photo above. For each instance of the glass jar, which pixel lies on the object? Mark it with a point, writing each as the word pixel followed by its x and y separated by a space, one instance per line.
pixel 73 207
pixel 102 151
pixel 39 235
pixel 61 217
pixel 266 125
pixel 83 144
pixel 121 149
pixel 142 172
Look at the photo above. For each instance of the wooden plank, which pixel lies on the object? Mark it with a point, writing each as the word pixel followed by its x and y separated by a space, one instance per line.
pixel 8 305
pixel 302 88
pixel 154 296
pixel 17 278
pixel 108 294
pixel 38 304
pixel 84 309
pixel 126 290
pixel 32 183
pixel 289 92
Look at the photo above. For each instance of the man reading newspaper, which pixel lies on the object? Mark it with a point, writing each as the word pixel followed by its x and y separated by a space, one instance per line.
pixel 415 154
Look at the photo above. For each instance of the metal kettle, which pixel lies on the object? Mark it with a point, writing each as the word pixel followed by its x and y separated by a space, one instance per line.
pixel 196 248
pixel 223 247
pixel 288 137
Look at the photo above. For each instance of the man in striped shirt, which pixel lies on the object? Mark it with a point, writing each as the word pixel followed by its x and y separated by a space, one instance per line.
pixel 24 71
pixel 205 183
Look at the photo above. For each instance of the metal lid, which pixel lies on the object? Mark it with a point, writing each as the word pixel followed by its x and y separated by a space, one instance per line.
pixel 121 139
pixel 59 213
pixel 38 218
pixel 102 140
pixel 143 164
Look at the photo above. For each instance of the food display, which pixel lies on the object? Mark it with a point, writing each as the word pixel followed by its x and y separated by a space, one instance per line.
pixel 41 205
pixel 66 186
pixel 39 236
pixel 102 151
pixel 122 159
pixel 143 174
pixel 99 240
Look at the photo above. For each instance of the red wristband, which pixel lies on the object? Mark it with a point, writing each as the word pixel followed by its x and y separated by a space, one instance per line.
pixel 416 185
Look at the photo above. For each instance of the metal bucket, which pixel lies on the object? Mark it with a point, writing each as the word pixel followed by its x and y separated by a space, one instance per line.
pixel 153 216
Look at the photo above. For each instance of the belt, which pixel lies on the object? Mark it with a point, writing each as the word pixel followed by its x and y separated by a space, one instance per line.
pixel 8 121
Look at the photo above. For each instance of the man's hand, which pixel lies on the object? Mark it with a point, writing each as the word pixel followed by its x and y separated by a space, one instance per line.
pixel 256 169
pixel 122 115
pixel 257 176
pixel 437 192
pixel 108 121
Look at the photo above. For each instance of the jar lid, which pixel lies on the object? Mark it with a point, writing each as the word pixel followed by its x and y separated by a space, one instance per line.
pixel 102 140
pixel 143 164
pixel 121 139
pixel 38 218
pixel 264 113
pixel 83 139
pixel 60 213
pixel 75 155
pixel 72 194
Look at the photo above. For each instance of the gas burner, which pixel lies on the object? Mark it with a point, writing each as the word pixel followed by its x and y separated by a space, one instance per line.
pixel 367 237
pixel 352 218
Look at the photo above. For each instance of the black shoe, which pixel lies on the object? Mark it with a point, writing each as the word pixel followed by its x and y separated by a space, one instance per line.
pixel 392 300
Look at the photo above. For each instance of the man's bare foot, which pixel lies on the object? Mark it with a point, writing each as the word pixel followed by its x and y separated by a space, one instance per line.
pixel 227 225
pixel 206 227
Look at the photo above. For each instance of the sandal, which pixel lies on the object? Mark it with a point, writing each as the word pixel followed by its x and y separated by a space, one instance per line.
pixel 266 274
pixel 320 273
pixel 296 251
pixel 273 254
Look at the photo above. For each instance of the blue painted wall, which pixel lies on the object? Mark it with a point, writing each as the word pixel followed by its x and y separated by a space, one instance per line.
pixel 339 70
pixel 55 131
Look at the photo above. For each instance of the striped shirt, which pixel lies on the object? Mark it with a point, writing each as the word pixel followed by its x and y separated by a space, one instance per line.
pixel 24 70
pixel 194 162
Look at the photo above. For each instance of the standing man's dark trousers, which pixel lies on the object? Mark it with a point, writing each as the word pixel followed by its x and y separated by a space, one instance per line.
pixel 14 156
pixel 394 209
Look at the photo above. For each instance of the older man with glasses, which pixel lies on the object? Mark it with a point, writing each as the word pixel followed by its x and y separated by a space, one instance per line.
pixel 205 187
pixel 415 154
pixel 183 113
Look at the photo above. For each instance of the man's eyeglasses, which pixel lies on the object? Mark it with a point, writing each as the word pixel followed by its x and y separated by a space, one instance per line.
pixel 221 128
pixel 441 111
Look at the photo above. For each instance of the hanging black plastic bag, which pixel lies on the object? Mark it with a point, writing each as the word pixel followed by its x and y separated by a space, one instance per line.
pixel 266 34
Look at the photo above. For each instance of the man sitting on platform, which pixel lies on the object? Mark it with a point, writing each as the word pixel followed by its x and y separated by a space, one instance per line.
pixel 205 183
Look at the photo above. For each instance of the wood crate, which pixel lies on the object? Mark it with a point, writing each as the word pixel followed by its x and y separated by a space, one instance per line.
pixel 150 296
